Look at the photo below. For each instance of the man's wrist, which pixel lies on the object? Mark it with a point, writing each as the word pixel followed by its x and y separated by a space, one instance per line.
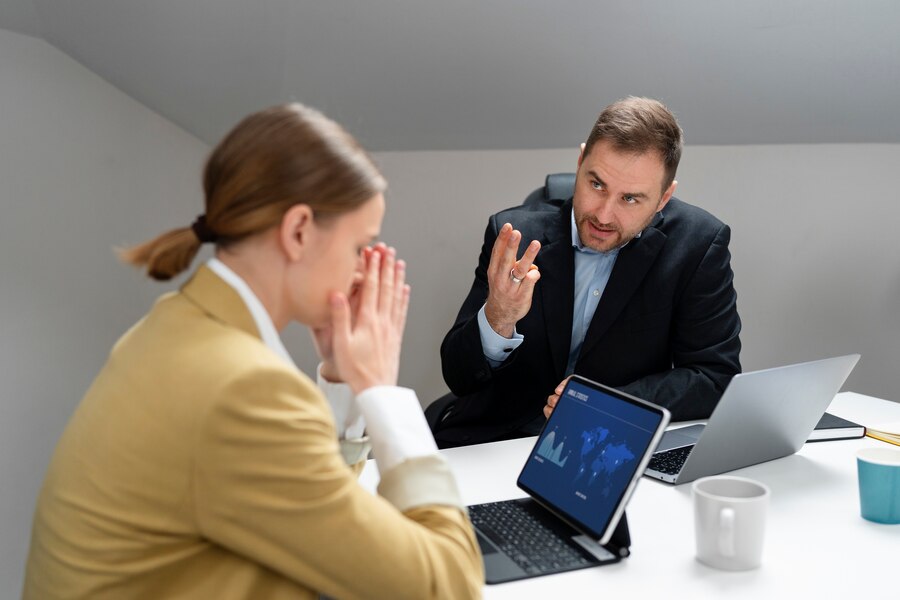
pixel 500 328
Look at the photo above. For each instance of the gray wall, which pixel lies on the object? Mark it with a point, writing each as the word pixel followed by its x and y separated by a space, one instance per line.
pixel 84 168
pixel 816 264
pixel 816 268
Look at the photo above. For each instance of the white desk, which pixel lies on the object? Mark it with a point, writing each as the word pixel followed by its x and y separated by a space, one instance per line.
pixel 817 545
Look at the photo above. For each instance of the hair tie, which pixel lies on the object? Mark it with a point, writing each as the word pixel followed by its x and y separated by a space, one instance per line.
pixel 202 230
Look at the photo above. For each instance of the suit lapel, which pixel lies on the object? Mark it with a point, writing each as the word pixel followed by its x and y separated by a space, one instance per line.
pixel 631 267
pixel 557 287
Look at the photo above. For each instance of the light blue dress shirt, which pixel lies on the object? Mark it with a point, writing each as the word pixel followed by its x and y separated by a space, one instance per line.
pixel 592 271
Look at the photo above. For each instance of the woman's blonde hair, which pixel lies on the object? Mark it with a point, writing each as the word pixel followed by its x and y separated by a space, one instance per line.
pixel 272 160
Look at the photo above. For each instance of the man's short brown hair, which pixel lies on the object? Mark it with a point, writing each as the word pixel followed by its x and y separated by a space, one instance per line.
pixel 640 125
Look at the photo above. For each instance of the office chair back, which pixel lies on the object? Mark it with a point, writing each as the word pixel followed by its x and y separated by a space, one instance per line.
pixel 557 188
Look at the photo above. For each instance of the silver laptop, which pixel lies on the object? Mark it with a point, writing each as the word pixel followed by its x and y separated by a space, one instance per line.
pixel 763 415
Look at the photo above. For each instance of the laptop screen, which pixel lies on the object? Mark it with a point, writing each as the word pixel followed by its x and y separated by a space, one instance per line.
pixel 588 453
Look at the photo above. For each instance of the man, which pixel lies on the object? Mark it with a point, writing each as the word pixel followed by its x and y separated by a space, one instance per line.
pixel 634 290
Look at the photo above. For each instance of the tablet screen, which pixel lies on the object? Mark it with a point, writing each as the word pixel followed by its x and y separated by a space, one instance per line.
pixel 590 454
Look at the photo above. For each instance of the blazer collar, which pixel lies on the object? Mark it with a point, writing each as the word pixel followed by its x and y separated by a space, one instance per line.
pixel 632 264
pixel 219 300
pixel 557 285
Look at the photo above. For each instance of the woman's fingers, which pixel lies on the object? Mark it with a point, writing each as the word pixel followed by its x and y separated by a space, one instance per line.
pixel 386 281
pixel 368 327
pixel 401 294
pixel 340 322
pixel 403 309
pixel 368 294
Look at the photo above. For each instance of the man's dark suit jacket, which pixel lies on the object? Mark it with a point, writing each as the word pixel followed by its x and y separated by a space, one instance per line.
pixel 666 329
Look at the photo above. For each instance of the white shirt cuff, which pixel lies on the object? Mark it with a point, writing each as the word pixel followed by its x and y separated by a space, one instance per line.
pixel 396 425
pixel 496 348
pixel 348 420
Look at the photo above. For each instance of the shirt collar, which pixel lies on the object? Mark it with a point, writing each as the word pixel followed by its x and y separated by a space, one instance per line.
pixel 261 317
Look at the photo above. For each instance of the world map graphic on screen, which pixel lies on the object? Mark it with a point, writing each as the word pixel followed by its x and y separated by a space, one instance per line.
pixel 588 452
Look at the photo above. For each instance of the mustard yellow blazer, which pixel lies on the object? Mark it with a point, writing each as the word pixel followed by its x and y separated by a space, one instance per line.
pixel 200 465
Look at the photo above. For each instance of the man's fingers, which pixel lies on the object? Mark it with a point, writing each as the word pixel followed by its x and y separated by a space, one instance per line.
pixel 500 247
pixel 551 404
pixel 559 389
pixel 508 260
pixel 531 251
pixel 553 398
pixel 530 280
pixel 526 264
pixel 503 256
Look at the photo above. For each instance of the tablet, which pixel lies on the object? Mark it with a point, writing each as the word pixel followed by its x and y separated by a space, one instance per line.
pixel 590 455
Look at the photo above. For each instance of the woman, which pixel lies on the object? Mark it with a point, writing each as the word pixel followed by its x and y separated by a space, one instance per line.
pixel 202 463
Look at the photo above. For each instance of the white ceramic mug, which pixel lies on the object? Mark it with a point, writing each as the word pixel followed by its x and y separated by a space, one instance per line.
pixel 729 521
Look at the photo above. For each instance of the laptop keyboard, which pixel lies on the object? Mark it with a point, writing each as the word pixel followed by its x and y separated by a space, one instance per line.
pixel 670 461
pixel 532 545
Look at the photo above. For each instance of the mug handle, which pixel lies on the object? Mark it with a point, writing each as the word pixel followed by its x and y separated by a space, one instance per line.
pixel 726 532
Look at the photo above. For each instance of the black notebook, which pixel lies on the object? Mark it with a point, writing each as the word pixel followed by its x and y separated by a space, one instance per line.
pixel 831 427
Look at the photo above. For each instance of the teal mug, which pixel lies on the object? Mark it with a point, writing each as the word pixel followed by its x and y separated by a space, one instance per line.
pixel 879 484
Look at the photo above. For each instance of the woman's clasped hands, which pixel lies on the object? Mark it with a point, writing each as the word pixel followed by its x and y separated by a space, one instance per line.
pixel 362 344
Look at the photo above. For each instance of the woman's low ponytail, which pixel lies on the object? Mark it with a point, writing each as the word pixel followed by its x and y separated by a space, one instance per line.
pixel 166 255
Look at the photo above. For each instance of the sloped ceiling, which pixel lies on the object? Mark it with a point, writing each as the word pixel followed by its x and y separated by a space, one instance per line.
pixel 466 74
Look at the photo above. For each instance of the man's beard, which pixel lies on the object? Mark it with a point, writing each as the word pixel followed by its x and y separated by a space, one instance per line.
pixel 609 244
pixel 606 245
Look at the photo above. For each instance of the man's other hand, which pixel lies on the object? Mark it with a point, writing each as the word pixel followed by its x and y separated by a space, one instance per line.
pixel 553 398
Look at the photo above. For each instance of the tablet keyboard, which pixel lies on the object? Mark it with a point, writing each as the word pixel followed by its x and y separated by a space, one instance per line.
pixel 531 544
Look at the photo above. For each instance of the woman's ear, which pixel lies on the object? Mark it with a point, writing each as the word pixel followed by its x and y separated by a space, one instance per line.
pixel 296 231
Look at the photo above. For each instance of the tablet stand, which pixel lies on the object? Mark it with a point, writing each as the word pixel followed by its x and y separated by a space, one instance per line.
pixel 620 542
